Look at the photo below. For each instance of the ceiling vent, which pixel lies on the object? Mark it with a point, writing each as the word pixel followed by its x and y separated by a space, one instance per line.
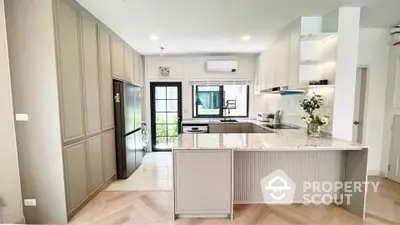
pixel 221 66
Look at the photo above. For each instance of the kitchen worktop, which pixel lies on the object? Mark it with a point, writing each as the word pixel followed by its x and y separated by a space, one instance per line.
pixel 280 140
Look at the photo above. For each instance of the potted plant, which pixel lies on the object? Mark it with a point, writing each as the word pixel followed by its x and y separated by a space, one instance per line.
pixel 270 117
pixel 314 122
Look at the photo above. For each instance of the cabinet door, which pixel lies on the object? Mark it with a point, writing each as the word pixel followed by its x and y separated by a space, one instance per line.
pixel 90 75
pixel 283 62
pixel 247 128
pixel 269 70
pixel 76 174
pixel 107 106
pixel 117 57
pixel 95 162
pixel 211 190
pixel 129 64
pixel 109 155
pixel 294 61
pixel 233 128
pixel 216 128
pixel 138 68
pixel 141 72
pixel 71 97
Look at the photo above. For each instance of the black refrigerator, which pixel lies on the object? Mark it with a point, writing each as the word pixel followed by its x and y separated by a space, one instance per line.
pixel 128 127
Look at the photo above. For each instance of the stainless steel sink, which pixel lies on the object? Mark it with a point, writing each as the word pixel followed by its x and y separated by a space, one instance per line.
pixel 228 121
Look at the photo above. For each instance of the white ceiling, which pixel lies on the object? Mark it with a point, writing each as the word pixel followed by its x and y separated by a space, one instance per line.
pixel 215 26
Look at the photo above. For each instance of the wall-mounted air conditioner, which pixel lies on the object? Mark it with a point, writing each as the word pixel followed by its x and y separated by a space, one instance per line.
pixel 221 66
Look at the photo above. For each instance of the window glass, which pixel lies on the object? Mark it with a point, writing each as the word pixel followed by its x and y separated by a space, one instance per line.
pixel 208 100
pixel 220 101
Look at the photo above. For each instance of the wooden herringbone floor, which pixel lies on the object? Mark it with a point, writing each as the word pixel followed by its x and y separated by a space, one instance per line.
pixel 155 207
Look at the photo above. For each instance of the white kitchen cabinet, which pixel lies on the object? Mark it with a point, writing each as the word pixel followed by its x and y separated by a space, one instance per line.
pixel 95 163
pixel 117 57
pixel 201 190
pixel 293 60
pixel 107 105
pixel 71 96
pixel 129 64
pixel 282 59
pixel 294 54
pixel 90 75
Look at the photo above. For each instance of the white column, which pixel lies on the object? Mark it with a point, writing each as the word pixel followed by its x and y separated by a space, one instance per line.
pixel 346 69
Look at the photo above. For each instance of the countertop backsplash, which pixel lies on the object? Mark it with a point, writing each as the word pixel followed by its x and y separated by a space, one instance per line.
pixel 292 112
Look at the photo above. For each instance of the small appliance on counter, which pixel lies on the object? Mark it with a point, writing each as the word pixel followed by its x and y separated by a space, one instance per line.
pixel 263 116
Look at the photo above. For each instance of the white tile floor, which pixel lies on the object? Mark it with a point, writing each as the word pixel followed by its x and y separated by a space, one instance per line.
pixel 155 174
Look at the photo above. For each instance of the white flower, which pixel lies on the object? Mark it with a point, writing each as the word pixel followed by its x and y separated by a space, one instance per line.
pixel 324 120
pixel 307 120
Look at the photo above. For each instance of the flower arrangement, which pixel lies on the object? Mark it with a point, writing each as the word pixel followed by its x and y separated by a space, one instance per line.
pixel 309 104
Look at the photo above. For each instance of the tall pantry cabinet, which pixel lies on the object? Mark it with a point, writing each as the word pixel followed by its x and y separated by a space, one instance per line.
pixel 89 55
pixel 62 63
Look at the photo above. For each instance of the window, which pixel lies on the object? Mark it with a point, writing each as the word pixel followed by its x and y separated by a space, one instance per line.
pixel 220 101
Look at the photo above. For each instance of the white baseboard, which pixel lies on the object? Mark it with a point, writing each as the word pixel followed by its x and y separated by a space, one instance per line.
pixel 376 173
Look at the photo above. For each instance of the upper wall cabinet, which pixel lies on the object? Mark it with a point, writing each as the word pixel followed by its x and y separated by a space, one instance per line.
pixel 138 69
pixel 90 75
pixel 129 64
pixel 71 96
pixel 107 106
pixel 117 57
pixel 303 53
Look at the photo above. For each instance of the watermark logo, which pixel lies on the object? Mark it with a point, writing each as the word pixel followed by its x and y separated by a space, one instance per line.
pixel 278 188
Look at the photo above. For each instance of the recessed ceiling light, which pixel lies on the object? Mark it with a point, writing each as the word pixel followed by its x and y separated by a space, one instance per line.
pixel 153 37
pixel 245 37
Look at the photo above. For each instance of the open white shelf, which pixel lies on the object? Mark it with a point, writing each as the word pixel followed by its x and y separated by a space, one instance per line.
pixel 321 86
pixel 318 37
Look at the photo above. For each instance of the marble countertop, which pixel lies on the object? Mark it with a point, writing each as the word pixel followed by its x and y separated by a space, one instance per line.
pixel 281 140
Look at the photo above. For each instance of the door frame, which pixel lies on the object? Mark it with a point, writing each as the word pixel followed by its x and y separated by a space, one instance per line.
pixel 154 84
pixel 361 103
pixel 393 157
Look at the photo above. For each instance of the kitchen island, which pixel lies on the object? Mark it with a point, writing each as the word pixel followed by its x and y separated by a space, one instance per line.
pixel 212 172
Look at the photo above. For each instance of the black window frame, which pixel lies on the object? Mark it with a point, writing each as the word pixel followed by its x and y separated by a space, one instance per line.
pixel 222 100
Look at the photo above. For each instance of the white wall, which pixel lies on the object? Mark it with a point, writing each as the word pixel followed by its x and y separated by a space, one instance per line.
pixel 373 53
pixel 10 188
pixel 184 68
pixel 34 88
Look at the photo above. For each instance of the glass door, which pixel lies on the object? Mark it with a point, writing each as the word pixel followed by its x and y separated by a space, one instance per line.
pixel 166 114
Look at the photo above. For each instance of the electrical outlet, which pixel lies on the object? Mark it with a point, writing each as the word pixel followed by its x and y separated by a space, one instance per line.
pixel 30 202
